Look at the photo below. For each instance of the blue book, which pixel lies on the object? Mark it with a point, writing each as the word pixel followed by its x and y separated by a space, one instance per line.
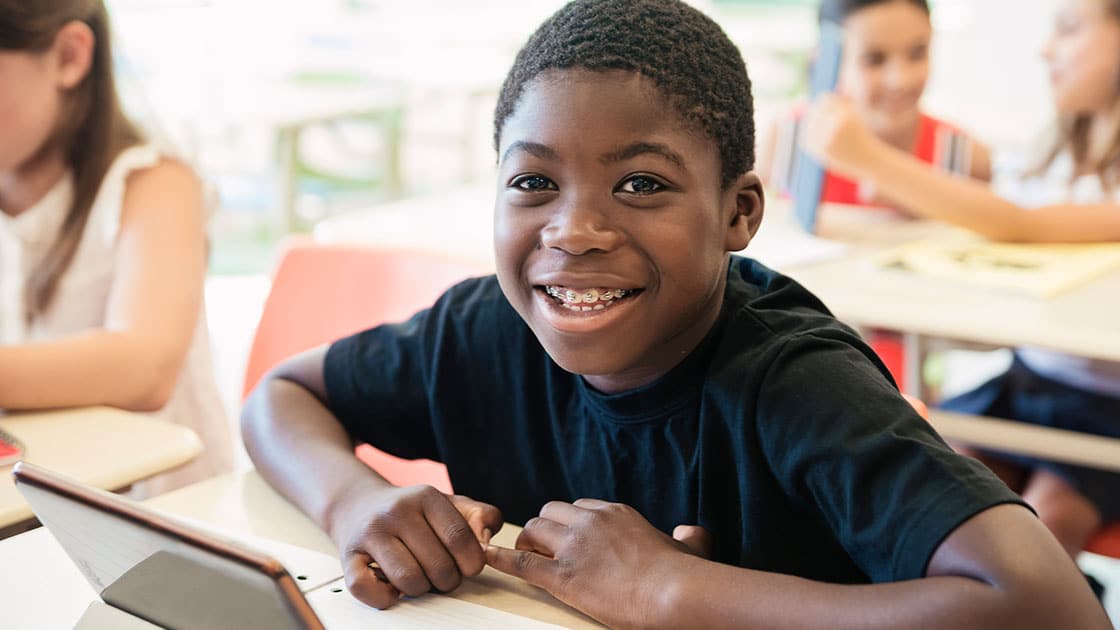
pixel 808 174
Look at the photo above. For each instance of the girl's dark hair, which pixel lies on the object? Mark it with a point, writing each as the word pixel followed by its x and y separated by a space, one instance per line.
pixel 839 10
pixel 91 130
pixel 685 53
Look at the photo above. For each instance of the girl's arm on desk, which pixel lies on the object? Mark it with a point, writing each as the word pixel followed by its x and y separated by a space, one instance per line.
pixel 134 361
pixel 610 563
pixel 420 538
pixel 835 136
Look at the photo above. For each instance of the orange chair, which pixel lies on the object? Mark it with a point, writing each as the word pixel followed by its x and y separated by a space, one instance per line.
pixel 325 292
pixel 1105 542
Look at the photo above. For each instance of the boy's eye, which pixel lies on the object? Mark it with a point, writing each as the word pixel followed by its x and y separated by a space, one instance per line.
pixel 533 183
pixel 641 185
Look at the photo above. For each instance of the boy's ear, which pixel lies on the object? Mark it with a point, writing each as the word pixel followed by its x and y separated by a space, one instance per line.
pixel 72 53
pixel 744 201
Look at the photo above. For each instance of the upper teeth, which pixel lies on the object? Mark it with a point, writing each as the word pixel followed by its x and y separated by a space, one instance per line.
pixel 587 296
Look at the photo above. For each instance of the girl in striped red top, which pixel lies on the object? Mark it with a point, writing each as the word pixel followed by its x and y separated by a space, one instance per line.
pixel 883 73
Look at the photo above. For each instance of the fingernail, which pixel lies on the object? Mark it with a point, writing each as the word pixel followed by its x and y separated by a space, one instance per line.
pixel 486 536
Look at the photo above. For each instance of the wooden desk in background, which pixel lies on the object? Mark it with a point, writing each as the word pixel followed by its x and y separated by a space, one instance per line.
pixel 102 447
pixel 240 504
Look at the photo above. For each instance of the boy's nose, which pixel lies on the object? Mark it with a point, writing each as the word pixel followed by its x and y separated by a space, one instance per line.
pixel 579 228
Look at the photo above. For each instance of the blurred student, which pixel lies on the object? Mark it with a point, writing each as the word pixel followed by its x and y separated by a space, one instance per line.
pixel 883 73
pixel 102 241
pixel 1073 195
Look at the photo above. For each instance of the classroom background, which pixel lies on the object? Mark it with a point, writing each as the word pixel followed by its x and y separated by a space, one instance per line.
pixel 313 118
pixel 300 110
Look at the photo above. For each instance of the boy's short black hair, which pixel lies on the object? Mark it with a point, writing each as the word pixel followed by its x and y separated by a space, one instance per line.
pixel 684 52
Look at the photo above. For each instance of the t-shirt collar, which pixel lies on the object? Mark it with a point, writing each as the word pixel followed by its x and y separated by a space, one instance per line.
pixel 663 397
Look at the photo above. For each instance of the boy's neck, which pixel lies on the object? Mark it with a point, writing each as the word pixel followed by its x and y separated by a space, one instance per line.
pixel 23 187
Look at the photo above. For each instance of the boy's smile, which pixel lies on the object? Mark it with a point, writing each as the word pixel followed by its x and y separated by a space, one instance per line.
pixel 611 227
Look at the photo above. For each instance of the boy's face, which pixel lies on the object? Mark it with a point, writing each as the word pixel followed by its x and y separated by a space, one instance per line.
pixel 611 227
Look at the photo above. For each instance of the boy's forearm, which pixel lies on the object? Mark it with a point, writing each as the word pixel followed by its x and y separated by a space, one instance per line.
pixel 303 451
pixel 711 595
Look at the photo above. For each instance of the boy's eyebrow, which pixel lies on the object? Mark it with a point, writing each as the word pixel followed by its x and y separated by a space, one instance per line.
pixel 638 148
pixel 535 149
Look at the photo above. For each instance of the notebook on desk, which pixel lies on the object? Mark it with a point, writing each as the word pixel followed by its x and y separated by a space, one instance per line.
pixel 1037 270
pixel 149 568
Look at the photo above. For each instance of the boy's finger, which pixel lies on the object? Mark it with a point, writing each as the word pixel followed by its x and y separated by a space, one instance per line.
pixel 364 585
pixel 457 543
pixel 563 513
pixel 696 538
pixel 591 504
pixel 543 536
pixel 531 567
pixel 482 517
pixel 400 567
pixel 434 556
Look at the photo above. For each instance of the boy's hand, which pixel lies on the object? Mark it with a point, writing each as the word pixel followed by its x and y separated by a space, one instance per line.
pixel 603 558
pixel 420 539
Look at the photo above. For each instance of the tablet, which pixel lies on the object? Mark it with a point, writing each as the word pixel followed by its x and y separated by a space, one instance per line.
pixel 808 174
pixel 159 569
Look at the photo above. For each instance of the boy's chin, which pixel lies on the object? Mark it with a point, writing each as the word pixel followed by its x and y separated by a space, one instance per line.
pixel 608 375
pixel 580 363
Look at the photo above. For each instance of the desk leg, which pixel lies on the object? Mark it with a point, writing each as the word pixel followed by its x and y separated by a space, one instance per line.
pixel 914 353
pixel 287 144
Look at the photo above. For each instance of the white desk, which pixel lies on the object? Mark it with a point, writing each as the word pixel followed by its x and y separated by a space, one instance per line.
pixel 1080 322
pixel 103 447
pixel 43 589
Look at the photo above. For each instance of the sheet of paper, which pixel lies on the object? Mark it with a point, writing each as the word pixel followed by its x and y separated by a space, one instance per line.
pixel 1040 270
pixel 338 610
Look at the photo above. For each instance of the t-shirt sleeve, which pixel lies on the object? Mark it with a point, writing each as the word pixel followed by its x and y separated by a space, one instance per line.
pixel 377 385
pixel 847 447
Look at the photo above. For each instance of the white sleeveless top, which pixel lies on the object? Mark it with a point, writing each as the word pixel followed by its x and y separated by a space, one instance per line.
pixel 82 298
pixel 1055 186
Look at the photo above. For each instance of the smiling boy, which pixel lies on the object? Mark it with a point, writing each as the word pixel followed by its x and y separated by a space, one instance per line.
pixel 689 437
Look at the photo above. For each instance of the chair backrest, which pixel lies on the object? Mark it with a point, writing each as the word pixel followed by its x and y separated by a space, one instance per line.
pixel 1106 542
pixel 323 292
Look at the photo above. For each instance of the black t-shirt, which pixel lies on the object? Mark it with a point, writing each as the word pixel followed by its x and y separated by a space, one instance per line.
pixel 781 433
